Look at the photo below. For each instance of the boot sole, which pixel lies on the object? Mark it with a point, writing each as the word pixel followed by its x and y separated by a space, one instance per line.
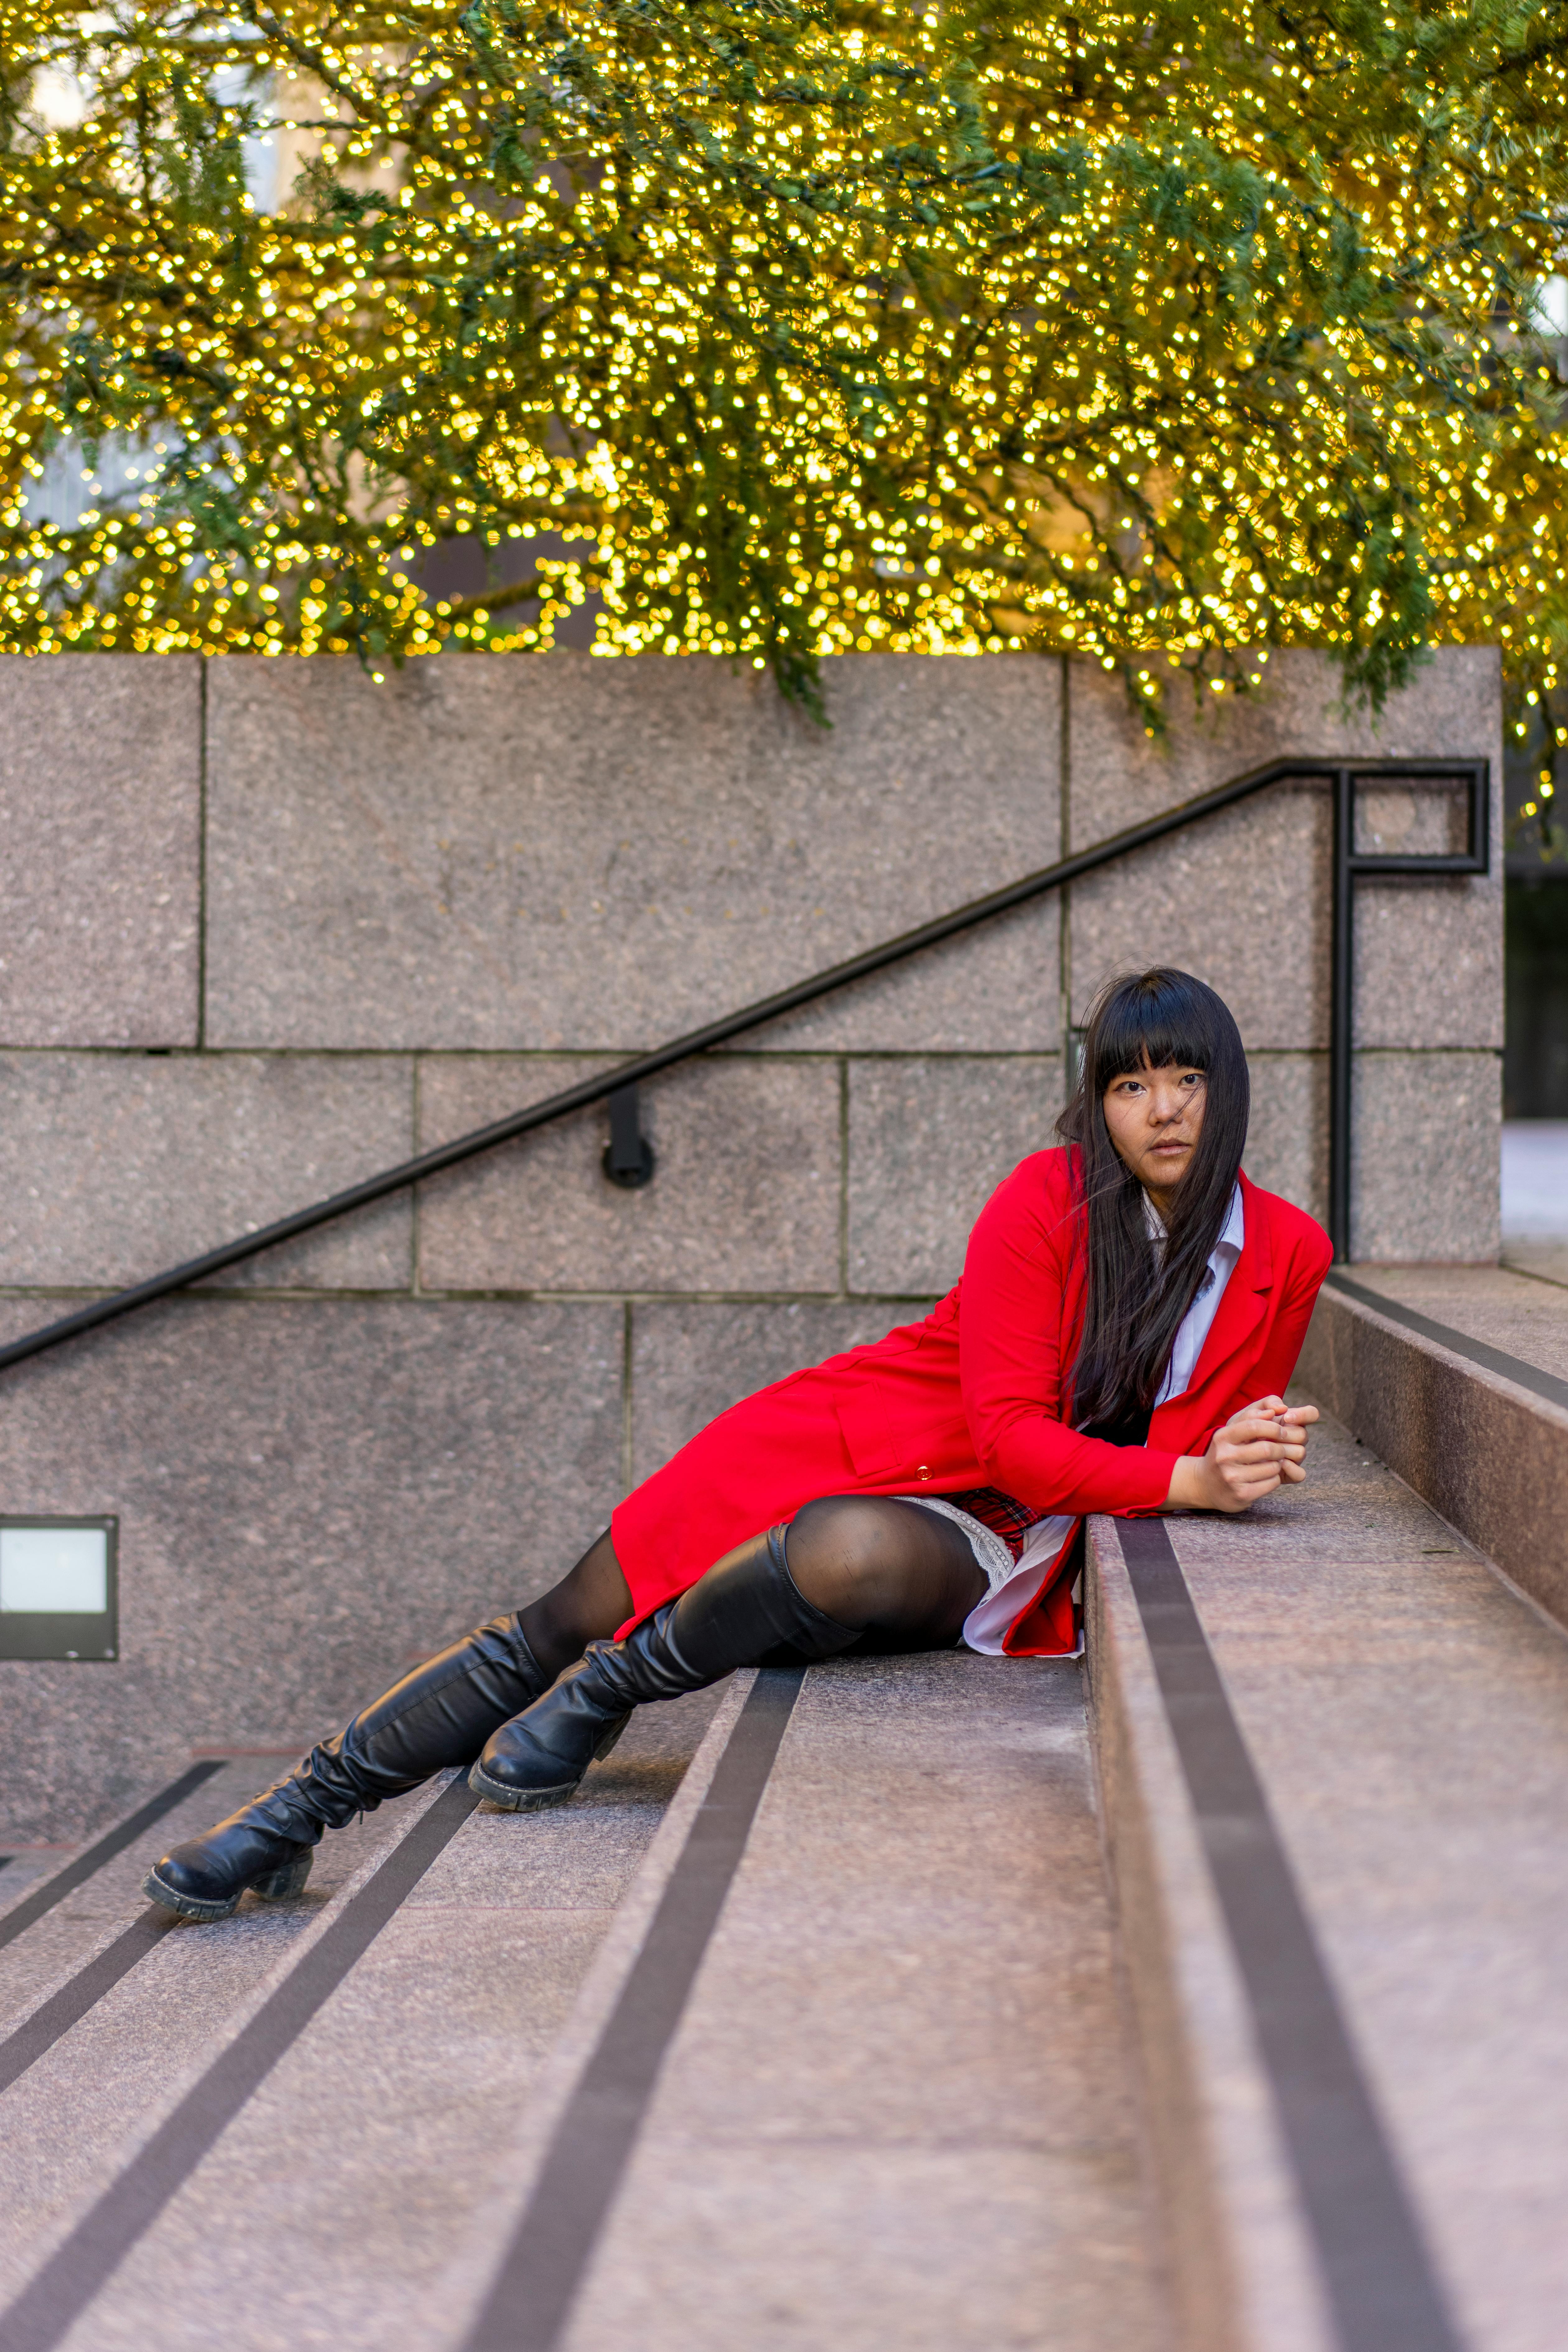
pixel 519 1800
pixel 186 1907
pixel 513 1799
pixel 277 1887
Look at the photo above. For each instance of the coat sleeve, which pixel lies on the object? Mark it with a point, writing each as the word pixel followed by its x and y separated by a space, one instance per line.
pixel 1010 1368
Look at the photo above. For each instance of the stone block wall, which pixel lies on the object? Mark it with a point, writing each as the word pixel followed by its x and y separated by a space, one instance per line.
pixel 270 928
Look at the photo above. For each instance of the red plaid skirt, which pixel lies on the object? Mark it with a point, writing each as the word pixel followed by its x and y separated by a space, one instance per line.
pixel 1003 1514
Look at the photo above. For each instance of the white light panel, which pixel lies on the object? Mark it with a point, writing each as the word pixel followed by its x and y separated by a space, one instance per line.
pixel 54 1572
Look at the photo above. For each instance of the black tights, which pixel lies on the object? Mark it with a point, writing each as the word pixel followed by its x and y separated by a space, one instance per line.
pixel 587 1606
pixel 904 1578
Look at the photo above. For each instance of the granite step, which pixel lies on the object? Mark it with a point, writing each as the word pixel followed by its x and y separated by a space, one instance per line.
pixel 898 2110
pixel 80 2093
pixel 1456 1377
pixel 1333 1750
pixel 890 2101
pixel 346 2169
pixel 57 1910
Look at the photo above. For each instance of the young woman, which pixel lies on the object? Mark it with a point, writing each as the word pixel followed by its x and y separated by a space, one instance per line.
pixel 1130 1311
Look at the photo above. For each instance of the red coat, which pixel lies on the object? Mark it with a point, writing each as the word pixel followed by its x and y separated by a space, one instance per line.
pixel 972 1397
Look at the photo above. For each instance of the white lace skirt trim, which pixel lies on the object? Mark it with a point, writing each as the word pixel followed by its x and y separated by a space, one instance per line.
pixel 989 1549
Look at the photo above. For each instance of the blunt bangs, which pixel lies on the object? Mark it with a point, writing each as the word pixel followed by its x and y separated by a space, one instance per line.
pixel 1161 1018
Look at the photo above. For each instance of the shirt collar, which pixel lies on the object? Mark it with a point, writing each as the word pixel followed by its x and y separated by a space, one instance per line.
pixel 1231 1234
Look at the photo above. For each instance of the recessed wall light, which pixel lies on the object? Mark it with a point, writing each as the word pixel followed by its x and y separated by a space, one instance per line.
pixel 57 1588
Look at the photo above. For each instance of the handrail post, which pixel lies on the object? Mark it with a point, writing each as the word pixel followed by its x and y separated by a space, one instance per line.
pixel 629 1159
pixel 1342 1000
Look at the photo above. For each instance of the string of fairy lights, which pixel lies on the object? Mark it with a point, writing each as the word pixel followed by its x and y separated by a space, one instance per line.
pixel 784 330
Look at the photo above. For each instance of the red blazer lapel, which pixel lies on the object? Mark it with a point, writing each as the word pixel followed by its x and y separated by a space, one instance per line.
pixel 1244 1303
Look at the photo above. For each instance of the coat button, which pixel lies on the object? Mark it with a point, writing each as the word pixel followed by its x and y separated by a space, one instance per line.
pixel 924 1470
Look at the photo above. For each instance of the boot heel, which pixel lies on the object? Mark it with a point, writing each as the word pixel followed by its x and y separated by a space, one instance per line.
pixel 610 1739
pixel 278 1886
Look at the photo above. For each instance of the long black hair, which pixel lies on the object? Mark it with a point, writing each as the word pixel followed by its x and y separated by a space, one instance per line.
pixel 1138 1294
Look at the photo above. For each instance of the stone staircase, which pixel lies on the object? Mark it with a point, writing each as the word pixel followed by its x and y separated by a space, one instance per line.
pixel 1212 1999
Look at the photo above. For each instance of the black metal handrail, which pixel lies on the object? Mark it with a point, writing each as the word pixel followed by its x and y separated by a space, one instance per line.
pixel 1342 776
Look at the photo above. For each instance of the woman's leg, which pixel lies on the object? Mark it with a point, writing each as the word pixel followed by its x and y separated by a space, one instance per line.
pixel 588 1603
pixel 907 1578
pixel 441 1714
pixel 849 1572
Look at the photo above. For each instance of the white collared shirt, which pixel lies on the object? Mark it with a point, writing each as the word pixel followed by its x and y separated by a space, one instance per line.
pixel 987 1625
pixel 1196 1323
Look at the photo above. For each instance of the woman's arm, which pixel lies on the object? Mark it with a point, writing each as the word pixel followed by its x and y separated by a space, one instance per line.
pixel 1257 1451
pixel 1020 1268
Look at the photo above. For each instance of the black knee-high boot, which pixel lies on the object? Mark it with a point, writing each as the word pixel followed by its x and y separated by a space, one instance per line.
pixel 745 1606
pixel 441 1714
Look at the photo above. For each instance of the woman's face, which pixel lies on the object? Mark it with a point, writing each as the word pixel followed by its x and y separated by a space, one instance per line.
pixel 1154 1119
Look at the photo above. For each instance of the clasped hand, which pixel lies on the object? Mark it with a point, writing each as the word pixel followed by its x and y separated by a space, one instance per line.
pixel 1262 1447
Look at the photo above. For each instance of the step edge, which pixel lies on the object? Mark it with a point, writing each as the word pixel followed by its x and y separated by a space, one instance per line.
pixel 82 1863
pixel 147 2125
pixel 1461 1349
pixel 1455 1432
pixel 1238 2250
pixel 445 2316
